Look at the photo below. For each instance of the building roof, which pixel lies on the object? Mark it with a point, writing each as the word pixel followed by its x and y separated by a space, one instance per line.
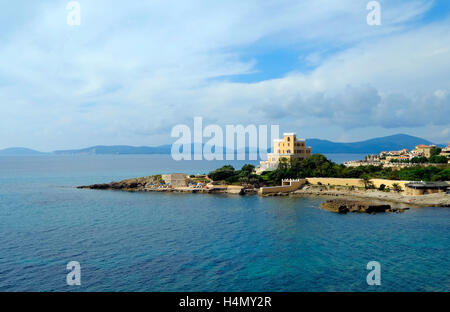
pixel 425 146
pixel 430 185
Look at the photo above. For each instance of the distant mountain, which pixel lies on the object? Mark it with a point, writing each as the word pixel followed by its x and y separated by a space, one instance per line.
pixel 19 151
pixel 118 150
pixel 123 150
pixel 131 150
pixel 372 146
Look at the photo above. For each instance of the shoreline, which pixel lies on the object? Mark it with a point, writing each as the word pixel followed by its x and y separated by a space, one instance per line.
pixel 400 200
pixel 325 192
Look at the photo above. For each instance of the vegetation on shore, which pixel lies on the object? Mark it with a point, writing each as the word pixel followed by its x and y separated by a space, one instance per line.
pixel 319 166
pixel 237 177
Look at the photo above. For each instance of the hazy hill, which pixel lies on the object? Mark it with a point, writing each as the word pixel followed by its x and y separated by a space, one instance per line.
pixel 19 151
pixel 372 146
pixel 118 150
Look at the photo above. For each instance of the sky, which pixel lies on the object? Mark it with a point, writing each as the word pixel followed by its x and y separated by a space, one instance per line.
pixel 132 70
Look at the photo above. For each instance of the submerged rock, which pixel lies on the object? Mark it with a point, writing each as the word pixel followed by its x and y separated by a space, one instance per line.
pixel 345 206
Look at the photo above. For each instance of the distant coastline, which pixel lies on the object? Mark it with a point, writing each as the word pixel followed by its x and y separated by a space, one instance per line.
pixel 375 145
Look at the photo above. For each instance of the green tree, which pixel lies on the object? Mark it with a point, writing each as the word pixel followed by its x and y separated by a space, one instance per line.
pixel 443 175
pixel 436 151
pixel 396 187
pixel 366 180
pixel 436 159
pixel 248 169
pixel 419 160
pixel 283 163
pixel 222 173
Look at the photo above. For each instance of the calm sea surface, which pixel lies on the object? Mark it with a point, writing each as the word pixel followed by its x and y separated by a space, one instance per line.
pixel 186 242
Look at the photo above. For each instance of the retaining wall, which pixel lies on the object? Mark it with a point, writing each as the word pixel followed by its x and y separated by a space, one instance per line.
pixel 355 182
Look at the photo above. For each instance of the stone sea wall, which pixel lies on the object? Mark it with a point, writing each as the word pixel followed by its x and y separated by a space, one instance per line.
pixel 355 182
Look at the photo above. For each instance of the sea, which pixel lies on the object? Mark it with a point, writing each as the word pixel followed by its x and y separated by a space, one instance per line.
pixel 199 242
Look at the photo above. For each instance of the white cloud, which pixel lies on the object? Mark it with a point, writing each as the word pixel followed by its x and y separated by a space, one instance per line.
pixel 391 82
pixel 132 70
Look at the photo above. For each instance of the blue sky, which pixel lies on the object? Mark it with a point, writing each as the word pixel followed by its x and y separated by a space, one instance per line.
pixel 133 70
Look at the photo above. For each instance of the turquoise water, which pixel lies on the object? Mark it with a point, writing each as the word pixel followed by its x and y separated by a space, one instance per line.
pixel 187 242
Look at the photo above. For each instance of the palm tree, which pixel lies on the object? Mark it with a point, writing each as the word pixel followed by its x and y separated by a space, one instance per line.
pixel 396 187
pixel 366 180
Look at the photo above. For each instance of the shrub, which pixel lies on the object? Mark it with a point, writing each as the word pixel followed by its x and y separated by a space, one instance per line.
pixel 438 159
pixel 222 173
pixel 396 187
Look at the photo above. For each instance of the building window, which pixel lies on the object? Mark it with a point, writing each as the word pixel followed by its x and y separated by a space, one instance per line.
pixel 288 151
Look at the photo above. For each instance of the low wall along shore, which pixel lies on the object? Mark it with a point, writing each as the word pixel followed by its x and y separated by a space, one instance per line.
pixel 355 182
pixel 293 185
pixel 287 186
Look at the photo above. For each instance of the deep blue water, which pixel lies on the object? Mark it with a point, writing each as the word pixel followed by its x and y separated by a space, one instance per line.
pixel 187 242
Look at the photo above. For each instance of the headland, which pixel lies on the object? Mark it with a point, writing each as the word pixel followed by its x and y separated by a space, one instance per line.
pixel 292 170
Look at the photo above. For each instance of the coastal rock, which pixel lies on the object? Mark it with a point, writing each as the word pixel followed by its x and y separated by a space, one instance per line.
pixel 137 184
pixel 151 184
pixel 96 187
pixel 345 206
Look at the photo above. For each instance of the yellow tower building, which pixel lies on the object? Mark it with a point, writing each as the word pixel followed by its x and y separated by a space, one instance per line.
pixel 288 148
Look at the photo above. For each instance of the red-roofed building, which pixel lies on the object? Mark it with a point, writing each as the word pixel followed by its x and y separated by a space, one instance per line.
pixel 424 150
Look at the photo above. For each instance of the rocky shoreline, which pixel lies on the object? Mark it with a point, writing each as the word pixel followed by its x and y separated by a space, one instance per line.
pixel 148 184
pixel 345 206
pixel 398 199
